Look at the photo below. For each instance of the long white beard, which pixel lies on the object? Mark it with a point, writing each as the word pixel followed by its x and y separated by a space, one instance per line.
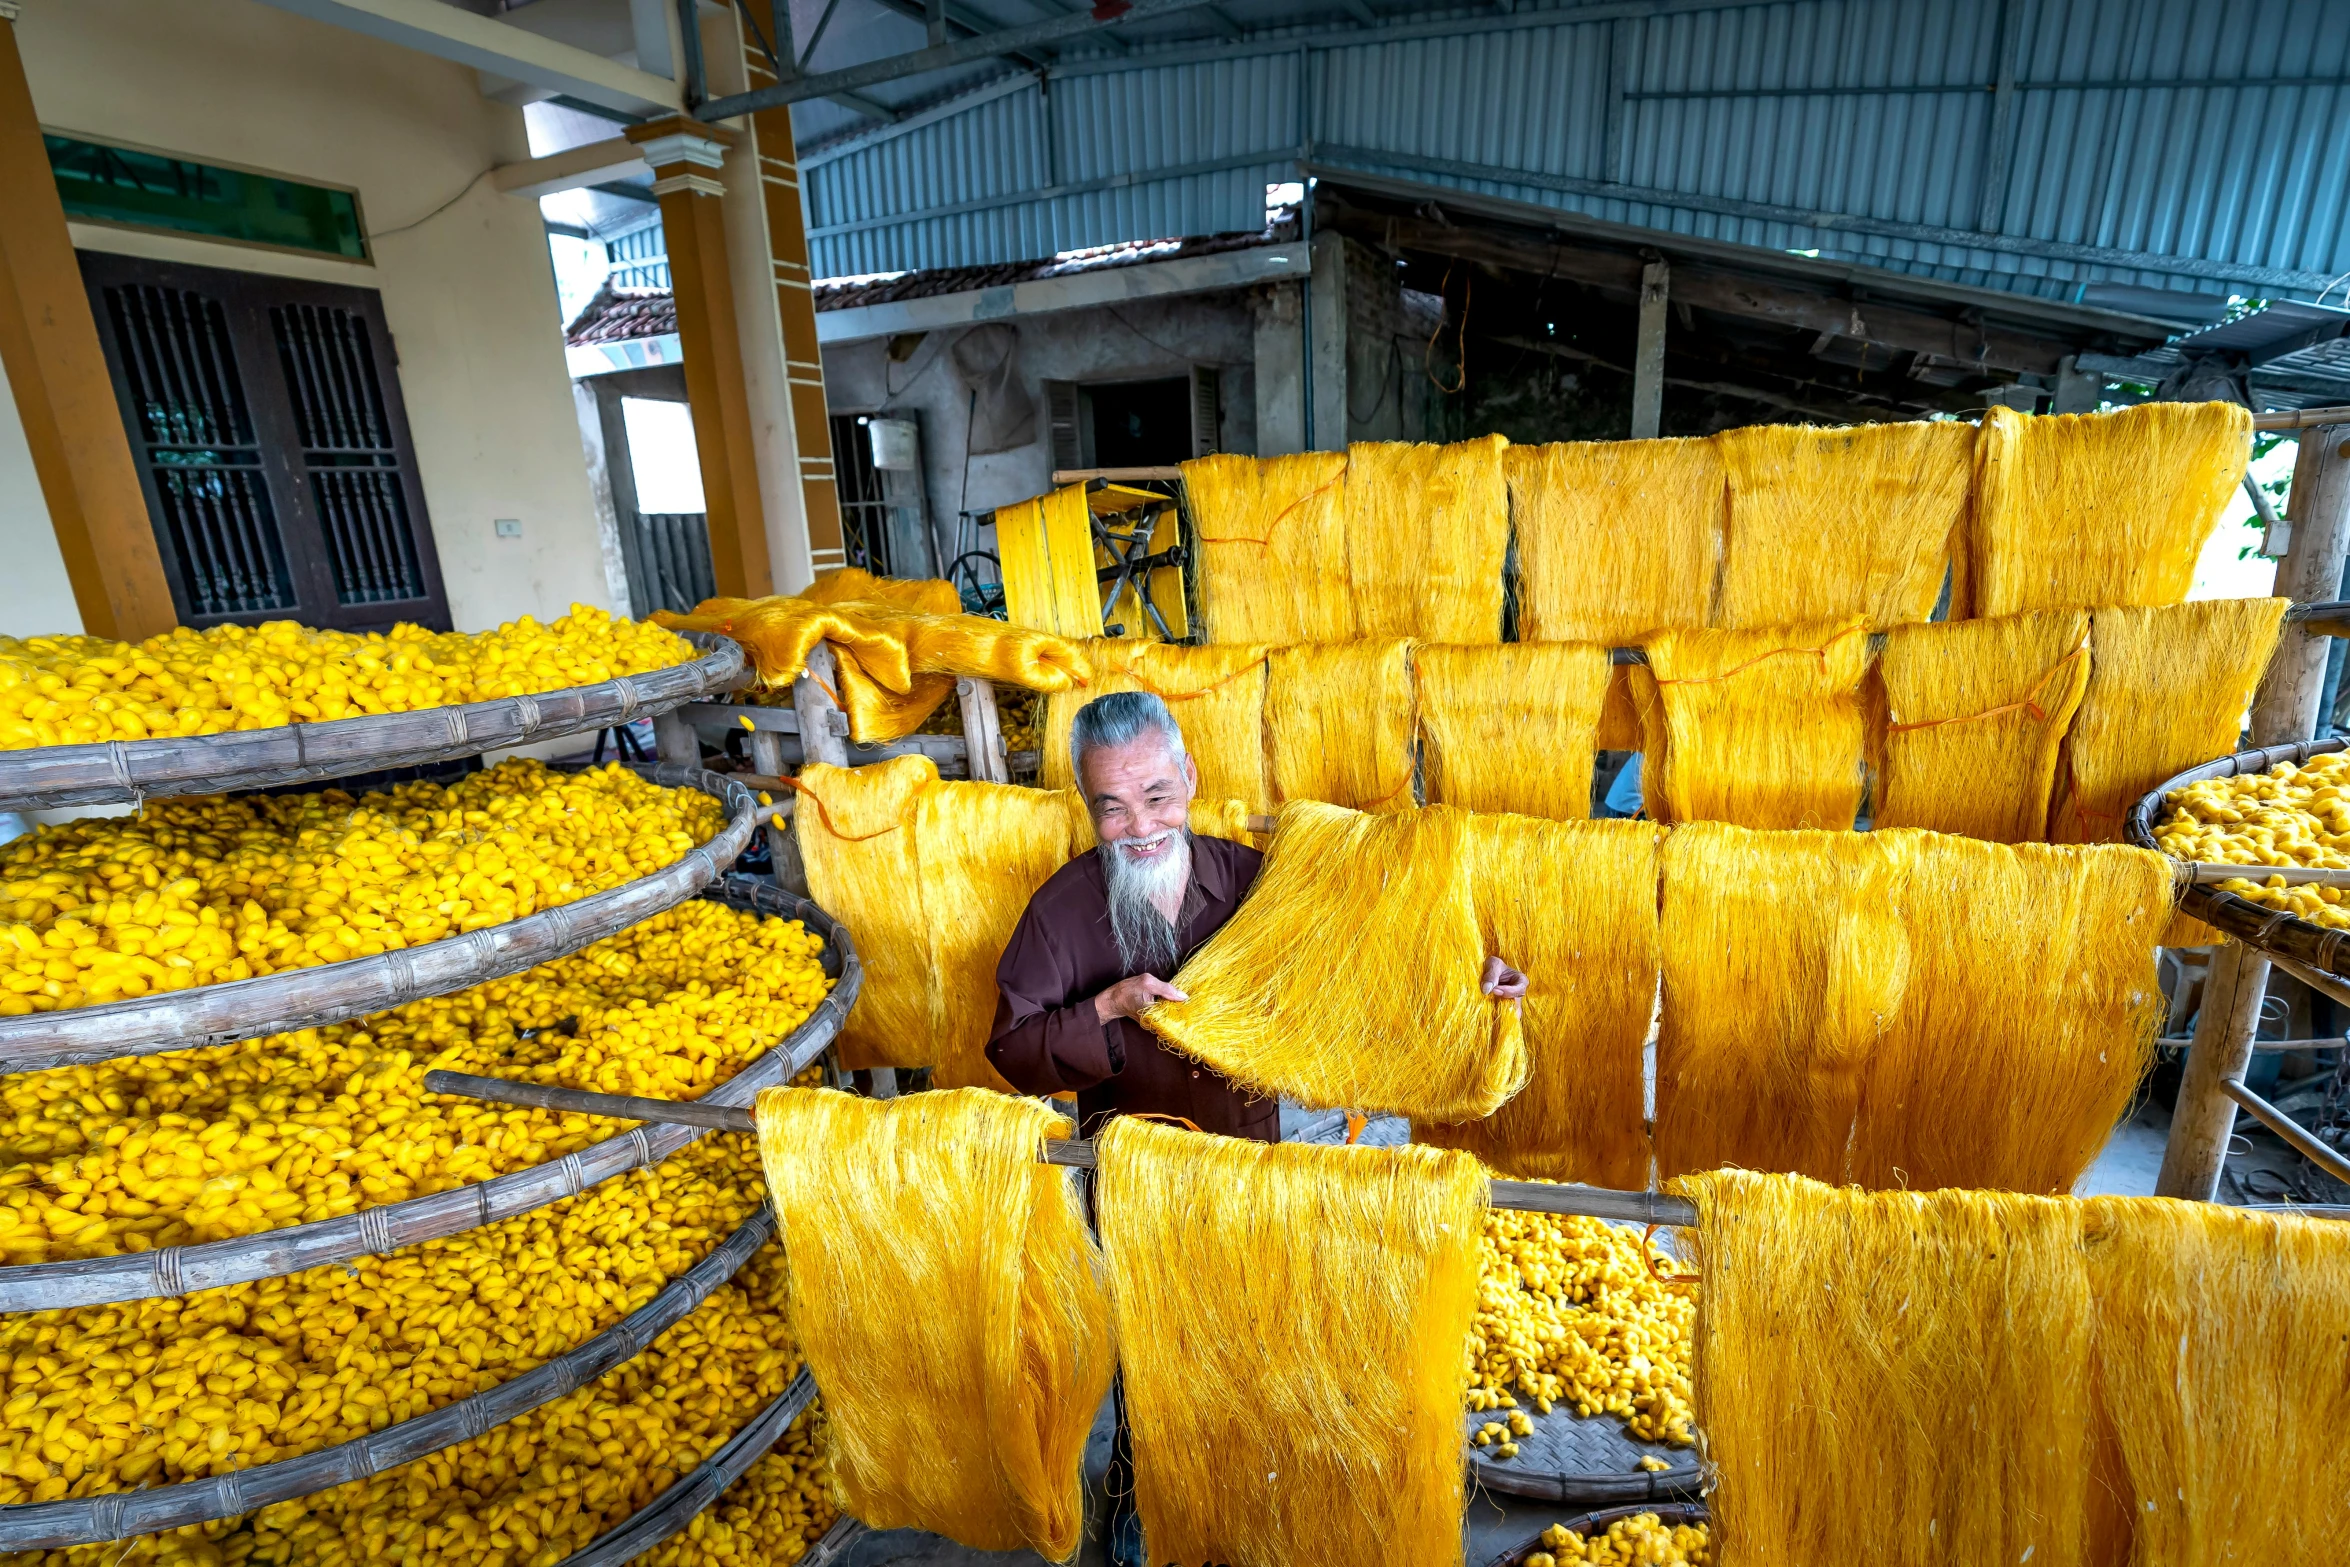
pixel 1145 936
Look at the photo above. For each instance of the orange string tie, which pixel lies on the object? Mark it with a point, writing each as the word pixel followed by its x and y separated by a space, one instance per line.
pixel 1821 653
pixel 798 787
pixel 1354 1127
pixel 2028 703
pixel 1172 1120
pixel 1655 1271
pixel 1282 515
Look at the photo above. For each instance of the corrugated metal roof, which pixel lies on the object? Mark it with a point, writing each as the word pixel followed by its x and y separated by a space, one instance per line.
pixel 2179 144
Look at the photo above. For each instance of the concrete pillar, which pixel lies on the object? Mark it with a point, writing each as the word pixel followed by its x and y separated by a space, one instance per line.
pixel 1328 304
pixel 1648 354
pixel 1280 366
pixel 686 156
pixel 57 374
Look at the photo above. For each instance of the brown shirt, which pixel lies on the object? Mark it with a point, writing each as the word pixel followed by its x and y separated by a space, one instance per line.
pixel 1046 1039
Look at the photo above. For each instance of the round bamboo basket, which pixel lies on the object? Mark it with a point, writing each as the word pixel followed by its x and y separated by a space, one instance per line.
pixel 2256 925
pixel 178 1270
pixel 114 771
pixel 334 992
pixel 90 1520
pixel 1590 1461
pixel 673 1509
pixel 1667 1513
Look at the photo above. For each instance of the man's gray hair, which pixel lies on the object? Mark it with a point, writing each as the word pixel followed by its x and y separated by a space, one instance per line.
pixel 1118 719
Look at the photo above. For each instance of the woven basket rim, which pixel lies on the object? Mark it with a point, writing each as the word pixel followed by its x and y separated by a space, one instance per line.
pixel 110 772
pixel 2255 924
pixel 243 1259
pixel 118 1515
pixel 326 993
pixel 693 1495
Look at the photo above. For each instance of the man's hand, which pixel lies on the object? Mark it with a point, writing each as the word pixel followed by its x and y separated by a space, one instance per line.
pixel 1502 981
pixel 1129 997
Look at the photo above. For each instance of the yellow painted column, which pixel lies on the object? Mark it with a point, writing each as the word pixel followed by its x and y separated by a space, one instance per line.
pixel 787 242
pixel 57 374
pixel 686 157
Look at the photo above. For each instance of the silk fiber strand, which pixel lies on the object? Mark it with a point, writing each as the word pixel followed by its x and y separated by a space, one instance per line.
pixel 1892 1377
pixel 985 850
pixel 1511 727
pixel 1840 524
pixel 1784 961
pixel 851 584
pixel 1046 546
pixel 1338 724
pixel 950 1304
pixel 1760 728
pixel 1616 539
pixel 1272 547
pixel 2080 511
pixel 1572 905
pixel 1292 1320
pixel 1217 694
pixel 1427 528
pixel 892 645
pixel 856 837
pixel 1350 978
pixel 2168 687
pixel 1978 710
pixel 2028 1018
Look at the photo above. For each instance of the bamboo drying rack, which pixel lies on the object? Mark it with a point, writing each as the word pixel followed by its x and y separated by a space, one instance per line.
pixel 1594 1202
pixel 116 771
pixel 2312 954
pixel 96 1520
pixel 332 992
pixel 179 1270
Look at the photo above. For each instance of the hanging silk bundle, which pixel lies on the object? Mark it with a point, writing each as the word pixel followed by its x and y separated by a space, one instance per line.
pixel 1291 1320
pixel 1217 694
pixel 1573 906
pixel 2027 1019
pixel 1351 977
pixel 892 645
pixel 878 715
pixel 853 585
pixel 967 1415
pixel 984 851
pixel 1511 727
pixel 1760 728
pixel 1831 525
pixel 855 827
pixel 1893 1377
pixel 2219 1352
pixel 1046 547
pixel 1338 724
pixel 1272 547
pixel 1616 539
pixel 1785 959
pixel 1427 528
pixel 2081 511
pixel 1978 711
pixel 2168 687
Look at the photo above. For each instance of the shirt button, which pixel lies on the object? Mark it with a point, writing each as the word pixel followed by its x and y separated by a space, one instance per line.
pixel 1195 1071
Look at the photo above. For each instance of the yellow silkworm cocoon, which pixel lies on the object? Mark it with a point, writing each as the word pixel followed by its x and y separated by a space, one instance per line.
pixel 949 1300
pixel 73 690
pixel 1642 1540
pixel 1292 1349
pixel 203 890
pixel 1571 1316
pixel 1351 977
pixel 202 1145
pixel 2289 815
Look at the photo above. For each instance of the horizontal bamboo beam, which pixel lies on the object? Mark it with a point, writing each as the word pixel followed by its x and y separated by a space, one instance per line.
pixel 1525 1196
pixel 2300 418
pixel 2303 1140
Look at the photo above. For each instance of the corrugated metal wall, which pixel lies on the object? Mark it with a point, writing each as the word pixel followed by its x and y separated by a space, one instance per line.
pixel 2197 144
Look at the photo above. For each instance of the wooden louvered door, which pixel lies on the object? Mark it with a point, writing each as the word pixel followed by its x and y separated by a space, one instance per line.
pixel 266 417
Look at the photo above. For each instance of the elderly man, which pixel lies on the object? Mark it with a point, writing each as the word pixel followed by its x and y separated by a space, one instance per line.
pixel 1102 938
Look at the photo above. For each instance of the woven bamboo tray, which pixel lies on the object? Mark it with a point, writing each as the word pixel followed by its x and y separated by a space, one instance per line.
pixel 1571 1458
pixel 1667 1513
pixel 678 1506
pixel 2255 924
pixel 333 992
pixel 177 1270
pixel 113 771
pixel 34 1526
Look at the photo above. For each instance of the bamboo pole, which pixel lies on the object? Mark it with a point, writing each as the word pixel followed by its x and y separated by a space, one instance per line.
pixel 1526 1196
pixel 2284 711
